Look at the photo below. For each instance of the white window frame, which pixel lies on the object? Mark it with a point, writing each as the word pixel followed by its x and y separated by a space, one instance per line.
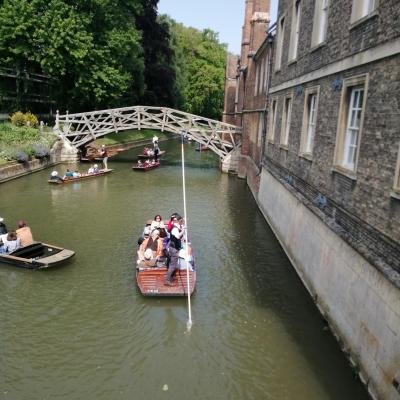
pixel 272 117
pixel 295 31
pixel 320 23
pixel 286 120
pixel 279 43
pixel 310 117
pixel 396 186
pixel 348 136
pixel 363 9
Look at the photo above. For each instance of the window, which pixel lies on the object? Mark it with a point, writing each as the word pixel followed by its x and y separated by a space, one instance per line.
pixel 272 120
pixel 257 66
pixel 350 122
pixel 320 22
pixel 362 8
pixel 279 44
pixel 286 119
pixel 260 128
pixel 266 74
pixel 396 186
pixel 309 121
pixel 294 36
pixel 262 71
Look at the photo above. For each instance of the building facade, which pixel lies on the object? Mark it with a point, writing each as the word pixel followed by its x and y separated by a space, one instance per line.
pixel 321 153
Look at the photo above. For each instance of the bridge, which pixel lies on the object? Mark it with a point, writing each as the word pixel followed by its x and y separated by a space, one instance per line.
pixel 79 129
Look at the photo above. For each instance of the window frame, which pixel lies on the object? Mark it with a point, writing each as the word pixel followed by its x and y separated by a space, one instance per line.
pixel 318 36
pixel 272 119
pixel 257 67
pixel 279 43
pixel 261 122
pixel 286 121
pixel 343 121
pixel 357 10
pixel 295 31
pixel 304 140
pixel 396 183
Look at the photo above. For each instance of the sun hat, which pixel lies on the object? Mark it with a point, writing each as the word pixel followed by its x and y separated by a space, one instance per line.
pixel 54 173
pixel 148 254
pixel 95 166
pixel 1 219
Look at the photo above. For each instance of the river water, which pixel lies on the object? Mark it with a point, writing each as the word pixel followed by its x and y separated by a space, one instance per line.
pixel 83 331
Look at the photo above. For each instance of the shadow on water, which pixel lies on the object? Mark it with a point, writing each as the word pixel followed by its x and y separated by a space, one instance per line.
pixel 275 285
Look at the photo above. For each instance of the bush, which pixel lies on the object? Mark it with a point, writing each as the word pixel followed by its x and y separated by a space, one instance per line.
pixel 18 119
pixel 40 150
pixel 21 156
pixel 31 120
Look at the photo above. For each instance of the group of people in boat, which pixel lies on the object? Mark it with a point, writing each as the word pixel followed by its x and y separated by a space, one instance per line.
pixel 11 240
pixel 163 244
pixel 146 163
pixel 94 169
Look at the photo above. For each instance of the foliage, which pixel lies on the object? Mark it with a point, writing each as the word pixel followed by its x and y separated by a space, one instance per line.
pixel 41 150
pixel 31 120
pixel 18 119
pixel 200 64
pixel 21 156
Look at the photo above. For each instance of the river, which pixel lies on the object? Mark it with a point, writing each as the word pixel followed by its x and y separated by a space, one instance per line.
pixel 83 331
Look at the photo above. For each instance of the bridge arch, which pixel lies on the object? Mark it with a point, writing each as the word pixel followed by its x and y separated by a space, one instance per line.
pixel 81 128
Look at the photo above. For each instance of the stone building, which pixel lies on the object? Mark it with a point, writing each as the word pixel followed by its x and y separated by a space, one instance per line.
pixel 329 152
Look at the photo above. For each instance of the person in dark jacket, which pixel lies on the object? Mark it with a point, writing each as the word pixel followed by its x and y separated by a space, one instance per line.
pixel 3 228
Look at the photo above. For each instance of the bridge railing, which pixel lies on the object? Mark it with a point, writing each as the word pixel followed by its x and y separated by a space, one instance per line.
pixel 81 128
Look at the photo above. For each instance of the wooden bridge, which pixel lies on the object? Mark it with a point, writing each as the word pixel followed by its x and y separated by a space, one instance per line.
pixel 78 129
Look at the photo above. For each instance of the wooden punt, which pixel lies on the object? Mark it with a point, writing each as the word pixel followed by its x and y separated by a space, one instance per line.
pixel 151 282
pixel 202 147
pixel 145 167
pixel 146 157
pixel 80 178
pixel 37 255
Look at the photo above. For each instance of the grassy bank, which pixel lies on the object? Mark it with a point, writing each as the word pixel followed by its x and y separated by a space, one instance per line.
pixel 23 142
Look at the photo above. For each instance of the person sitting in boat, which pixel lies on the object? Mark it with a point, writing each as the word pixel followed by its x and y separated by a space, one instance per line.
pixel 154 243
pixel 139 163
pixel 150 153
pixel 175 244
pixel 10 243
pixel 55 177
pixel 96 169
pixel 153 162
pixel 24 233
pixel 145 151
pixel 3 228
pixel 148 261
pixel 91 170
pixel 68 174
pixel 157 223
pixel 147 162
pixel 76 174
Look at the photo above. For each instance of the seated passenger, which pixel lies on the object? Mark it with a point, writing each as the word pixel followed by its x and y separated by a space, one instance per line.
pixel 145 151
pixel 150 153
pixel 148 261
pixel 154 243
pixel 96 169
pixel 139 164
pixel 11 243
pixel 153 162
pixel 68 174
pixel 91 170
pixel 76 174
pixel 157 223
pixel 24 233
pixel 55 177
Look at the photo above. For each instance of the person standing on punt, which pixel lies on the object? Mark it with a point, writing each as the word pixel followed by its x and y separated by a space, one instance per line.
pixel 156 151
pixel 175 244
pixel 104 154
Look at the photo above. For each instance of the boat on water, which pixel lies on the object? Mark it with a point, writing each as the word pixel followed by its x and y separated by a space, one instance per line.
pixel 79 178
pixel 145 166
pixel 202 147
pixel 37 255
pixel 151 156
pixel 151 279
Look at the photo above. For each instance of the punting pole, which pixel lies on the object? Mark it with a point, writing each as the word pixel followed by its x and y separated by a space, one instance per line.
pixel 189 321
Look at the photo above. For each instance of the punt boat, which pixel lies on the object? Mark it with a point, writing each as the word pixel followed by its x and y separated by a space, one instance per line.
pixel 145 166
pixel 147 157
pixel 80 178
pixel 37 255
pixel 151 280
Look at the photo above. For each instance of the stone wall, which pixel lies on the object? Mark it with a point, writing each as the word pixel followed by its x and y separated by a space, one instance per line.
pixel 360 304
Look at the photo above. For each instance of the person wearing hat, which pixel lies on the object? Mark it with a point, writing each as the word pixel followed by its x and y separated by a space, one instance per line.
pixel 55 177
pixel 96 169
pixel 3 228
pixel 24 233
pixel 175 244
pixel 104 154
pixel 152 243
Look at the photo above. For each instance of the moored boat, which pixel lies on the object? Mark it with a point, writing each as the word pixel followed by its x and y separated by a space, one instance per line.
pixel 80 178
pixel 37 255
pixel 145 166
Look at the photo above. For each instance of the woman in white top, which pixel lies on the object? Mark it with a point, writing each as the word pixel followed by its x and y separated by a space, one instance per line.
pixel 11 243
